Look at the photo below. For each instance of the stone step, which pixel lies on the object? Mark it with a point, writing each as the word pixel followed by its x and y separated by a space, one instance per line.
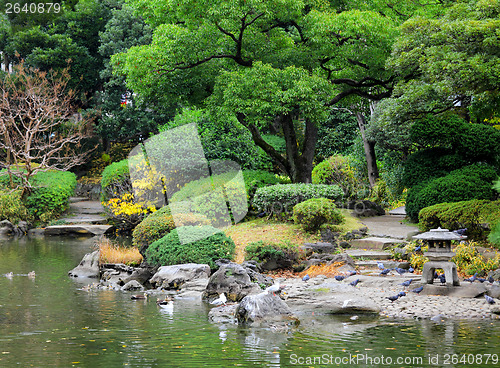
pixel 368 254
pixel 82 229
pixel 86 207
pixel 374 242
pixel 400 211
pixel 85 219
pixel 77 199
pixel 373 264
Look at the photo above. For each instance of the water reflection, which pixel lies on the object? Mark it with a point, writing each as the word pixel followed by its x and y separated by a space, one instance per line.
pixel 54 321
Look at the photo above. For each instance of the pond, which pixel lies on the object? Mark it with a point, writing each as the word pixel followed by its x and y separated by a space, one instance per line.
pixel 50 321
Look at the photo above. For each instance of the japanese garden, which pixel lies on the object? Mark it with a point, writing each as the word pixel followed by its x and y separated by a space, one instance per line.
pixel 250 183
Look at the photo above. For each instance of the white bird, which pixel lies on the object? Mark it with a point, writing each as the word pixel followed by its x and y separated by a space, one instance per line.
pixel 31 274
pixel 166 305
pixel 9 275
pixel 221 300
pixel 274 288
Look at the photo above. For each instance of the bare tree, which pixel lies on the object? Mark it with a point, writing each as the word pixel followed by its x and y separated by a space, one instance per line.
pixel 38 128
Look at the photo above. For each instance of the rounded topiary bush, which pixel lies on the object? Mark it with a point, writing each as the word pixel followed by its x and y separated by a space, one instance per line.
pixel 208 245
pixel 160 223
pixel 316 212
pixel 153 227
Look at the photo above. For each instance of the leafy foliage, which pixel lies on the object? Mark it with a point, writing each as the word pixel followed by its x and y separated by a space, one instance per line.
pixel 494 236
pixel 337 170
pixel 469 260
pixel 169 251
pixel 315 212
pixel 465 214
pixel 124 213
pixel 12 207
pixel 154 227
pixel 281 253
pixel 115 180
pixel 469 182
pixel 50 195
pixel 280 199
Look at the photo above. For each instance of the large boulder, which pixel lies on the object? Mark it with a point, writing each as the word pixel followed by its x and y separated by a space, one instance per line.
pixel 88 267
pixel 263 307
pixel 232 279
pixel 116 275
pixel 365 208
pixel 174 277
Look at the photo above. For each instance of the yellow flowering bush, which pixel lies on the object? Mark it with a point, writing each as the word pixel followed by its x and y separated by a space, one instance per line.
pixel 469 260
pixel 124 213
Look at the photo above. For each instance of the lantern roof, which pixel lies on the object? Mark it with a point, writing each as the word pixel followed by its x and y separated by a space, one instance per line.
pixel 439 234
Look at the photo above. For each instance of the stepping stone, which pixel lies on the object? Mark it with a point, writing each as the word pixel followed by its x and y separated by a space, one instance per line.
pixel 368 254
pixel 375 243
pixel 400 211
pixel 83 229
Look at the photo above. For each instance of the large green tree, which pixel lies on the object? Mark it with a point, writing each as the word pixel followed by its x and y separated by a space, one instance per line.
pixel 262 64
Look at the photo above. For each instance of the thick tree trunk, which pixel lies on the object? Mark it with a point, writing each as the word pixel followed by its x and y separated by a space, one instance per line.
pixel 369 147
pixel 297 164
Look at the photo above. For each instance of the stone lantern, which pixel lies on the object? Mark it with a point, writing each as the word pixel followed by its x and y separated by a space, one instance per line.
pixel 439 254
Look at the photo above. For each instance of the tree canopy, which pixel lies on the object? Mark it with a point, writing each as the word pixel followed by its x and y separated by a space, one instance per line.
pixel 282 62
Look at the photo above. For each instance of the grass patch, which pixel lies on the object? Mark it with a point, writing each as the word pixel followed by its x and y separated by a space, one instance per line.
pixel 351 223
pixel 112 253
pixel 267 231
pixel 270 231
pixel 323 269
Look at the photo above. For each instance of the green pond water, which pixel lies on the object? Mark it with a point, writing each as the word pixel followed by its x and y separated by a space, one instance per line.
pixel 50 322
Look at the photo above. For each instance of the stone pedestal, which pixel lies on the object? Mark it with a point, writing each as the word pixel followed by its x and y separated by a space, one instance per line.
pixel 449 268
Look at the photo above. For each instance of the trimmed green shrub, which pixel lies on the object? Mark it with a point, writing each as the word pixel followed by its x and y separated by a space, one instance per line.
pixel 154 227
pixel 115 180
pixel 12 207
pixel 169 251
pixel 315 212
pixel 337 170
pixel 464 214
pixel 158 224
pixel 467 183
pixel 50 195
pixel 283 254
pixel 281 198
pixel 255 179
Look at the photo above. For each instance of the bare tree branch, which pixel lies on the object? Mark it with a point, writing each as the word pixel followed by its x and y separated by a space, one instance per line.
pixel 36 125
